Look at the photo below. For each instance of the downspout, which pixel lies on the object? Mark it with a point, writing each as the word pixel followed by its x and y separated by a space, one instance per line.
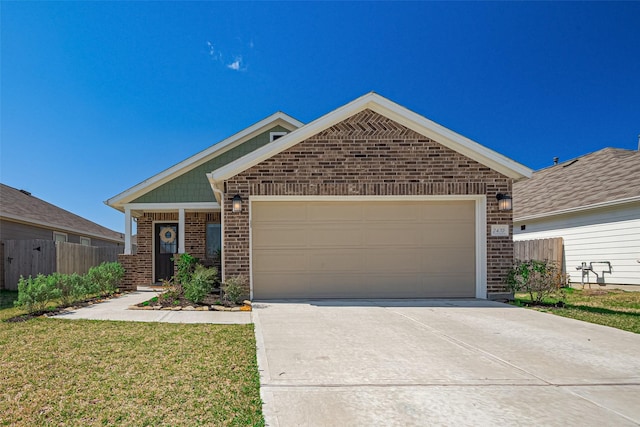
pixel 219 195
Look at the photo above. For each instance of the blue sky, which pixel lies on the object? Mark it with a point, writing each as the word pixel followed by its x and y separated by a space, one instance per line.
pixel 98 96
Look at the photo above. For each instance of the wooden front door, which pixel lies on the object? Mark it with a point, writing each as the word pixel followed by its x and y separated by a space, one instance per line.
pixel 166 246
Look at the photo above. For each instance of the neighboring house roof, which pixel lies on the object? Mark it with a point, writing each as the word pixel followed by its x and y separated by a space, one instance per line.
pixel 21 206
pixel 217 149
pixel 376 103
pixel 606 177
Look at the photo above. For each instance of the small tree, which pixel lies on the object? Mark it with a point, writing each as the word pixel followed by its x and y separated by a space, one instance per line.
pixel 539 279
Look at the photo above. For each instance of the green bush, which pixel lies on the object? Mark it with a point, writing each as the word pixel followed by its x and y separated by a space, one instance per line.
pixel 539 279
pixel 105 278
pixel 35 294
pixel 233 289
pixel 201 282
pixel 185 266
pixel 72 287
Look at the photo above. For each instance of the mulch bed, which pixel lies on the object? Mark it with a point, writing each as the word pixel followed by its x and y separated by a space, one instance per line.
pixel 212 300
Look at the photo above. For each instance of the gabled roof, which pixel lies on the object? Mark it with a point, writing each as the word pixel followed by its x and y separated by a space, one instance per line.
pixel 385 107
pixel 21 206
pixel 167 175
pixel 606 177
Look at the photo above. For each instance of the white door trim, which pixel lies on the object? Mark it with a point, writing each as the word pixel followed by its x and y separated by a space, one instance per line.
pixel 480 225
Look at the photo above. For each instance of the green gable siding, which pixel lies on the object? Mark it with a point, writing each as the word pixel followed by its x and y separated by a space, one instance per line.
pixel 193 185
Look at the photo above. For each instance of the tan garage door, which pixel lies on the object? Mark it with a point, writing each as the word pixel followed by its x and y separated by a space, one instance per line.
pixel 373 249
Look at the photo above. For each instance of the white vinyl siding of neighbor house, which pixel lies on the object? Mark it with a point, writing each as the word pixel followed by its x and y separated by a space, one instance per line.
pixel 611 234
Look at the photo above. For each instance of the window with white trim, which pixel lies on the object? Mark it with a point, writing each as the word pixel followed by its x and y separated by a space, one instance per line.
pixel 85 241
pixel 59 237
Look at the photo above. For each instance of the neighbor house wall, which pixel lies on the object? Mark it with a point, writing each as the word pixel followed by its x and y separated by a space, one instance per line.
pixel 368 154
pixel 607 234
pixel 10 230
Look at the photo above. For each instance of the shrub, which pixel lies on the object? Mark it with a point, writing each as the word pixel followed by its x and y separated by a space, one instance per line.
pixel 233 289
pixel 35 294
pixel 72 287
pixel 202 281
pixel 105 278
pixel 538 278
pixel 185 266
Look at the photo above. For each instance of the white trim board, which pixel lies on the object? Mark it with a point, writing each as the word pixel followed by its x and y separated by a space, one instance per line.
pixel 480 225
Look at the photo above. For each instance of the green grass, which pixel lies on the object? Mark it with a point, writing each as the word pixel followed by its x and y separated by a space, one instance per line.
pixel 615 308
pixel 90 373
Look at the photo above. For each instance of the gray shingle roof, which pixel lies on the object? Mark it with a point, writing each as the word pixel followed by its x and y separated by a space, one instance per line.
pixel 603 176
pixel 27 208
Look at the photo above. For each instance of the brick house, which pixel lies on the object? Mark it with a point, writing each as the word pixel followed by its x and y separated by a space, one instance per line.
pixel 369 201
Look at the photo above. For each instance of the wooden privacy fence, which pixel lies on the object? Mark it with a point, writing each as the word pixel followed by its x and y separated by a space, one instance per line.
pixel 540 250
pixel 32 257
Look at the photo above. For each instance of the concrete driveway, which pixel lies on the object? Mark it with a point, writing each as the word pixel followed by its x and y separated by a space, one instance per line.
pixel 441 362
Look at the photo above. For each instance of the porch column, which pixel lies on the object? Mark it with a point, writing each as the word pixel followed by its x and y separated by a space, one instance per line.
pixel 181 231
pixel 127 231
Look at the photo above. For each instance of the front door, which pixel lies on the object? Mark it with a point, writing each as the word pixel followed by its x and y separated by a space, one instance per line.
pixel 166 245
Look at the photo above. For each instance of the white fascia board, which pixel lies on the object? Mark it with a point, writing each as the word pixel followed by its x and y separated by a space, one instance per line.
pixel 608 204
pixel 155 181
pixel 395 112
pixel 56 227
pixel 166 207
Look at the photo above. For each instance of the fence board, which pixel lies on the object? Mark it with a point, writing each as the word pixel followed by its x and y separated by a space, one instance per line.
pixel 32 257
pixel 27 258
pixel 540 249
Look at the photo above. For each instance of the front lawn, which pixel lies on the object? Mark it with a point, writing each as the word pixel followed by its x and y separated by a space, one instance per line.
pixel 75 372
pixel 615 308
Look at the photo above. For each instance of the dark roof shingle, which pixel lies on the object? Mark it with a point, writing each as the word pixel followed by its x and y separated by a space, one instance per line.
pixel 603 176
pixel 27 208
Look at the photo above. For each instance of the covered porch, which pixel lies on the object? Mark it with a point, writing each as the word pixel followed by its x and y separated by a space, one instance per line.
pixel 164 230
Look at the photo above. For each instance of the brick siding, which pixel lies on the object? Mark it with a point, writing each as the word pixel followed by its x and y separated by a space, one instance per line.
pixel 368 154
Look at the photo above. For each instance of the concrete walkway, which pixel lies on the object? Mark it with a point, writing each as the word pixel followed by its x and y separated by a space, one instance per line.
pixel 441 362
pixel 117 309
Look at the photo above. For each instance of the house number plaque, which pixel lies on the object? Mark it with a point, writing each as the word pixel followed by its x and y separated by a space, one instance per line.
pixel 500 230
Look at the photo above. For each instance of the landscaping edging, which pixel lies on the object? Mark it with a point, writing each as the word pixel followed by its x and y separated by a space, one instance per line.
pixel 245 307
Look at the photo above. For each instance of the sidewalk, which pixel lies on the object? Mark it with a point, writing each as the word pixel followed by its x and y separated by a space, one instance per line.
pixel 117 309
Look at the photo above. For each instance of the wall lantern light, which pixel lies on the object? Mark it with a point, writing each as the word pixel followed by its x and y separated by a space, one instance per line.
pixel 504 202
pixel 237 203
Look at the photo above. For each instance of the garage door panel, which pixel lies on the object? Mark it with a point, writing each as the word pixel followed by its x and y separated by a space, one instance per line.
pixel 284 261
pixel 335 260
pixel 447 235
pixel 278 237
pixel 334 236
pixel 382 261
pixel 447 211
pixel 377 249
pixel 392 212
pixel 331 212
pixel 282 211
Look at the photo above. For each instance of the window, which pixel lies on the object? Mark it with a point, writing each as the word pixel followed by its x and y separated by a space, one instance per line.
pixel 275 135
pixel 85 241
pixel 59 237
pixel 214 240
pixel 168 239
